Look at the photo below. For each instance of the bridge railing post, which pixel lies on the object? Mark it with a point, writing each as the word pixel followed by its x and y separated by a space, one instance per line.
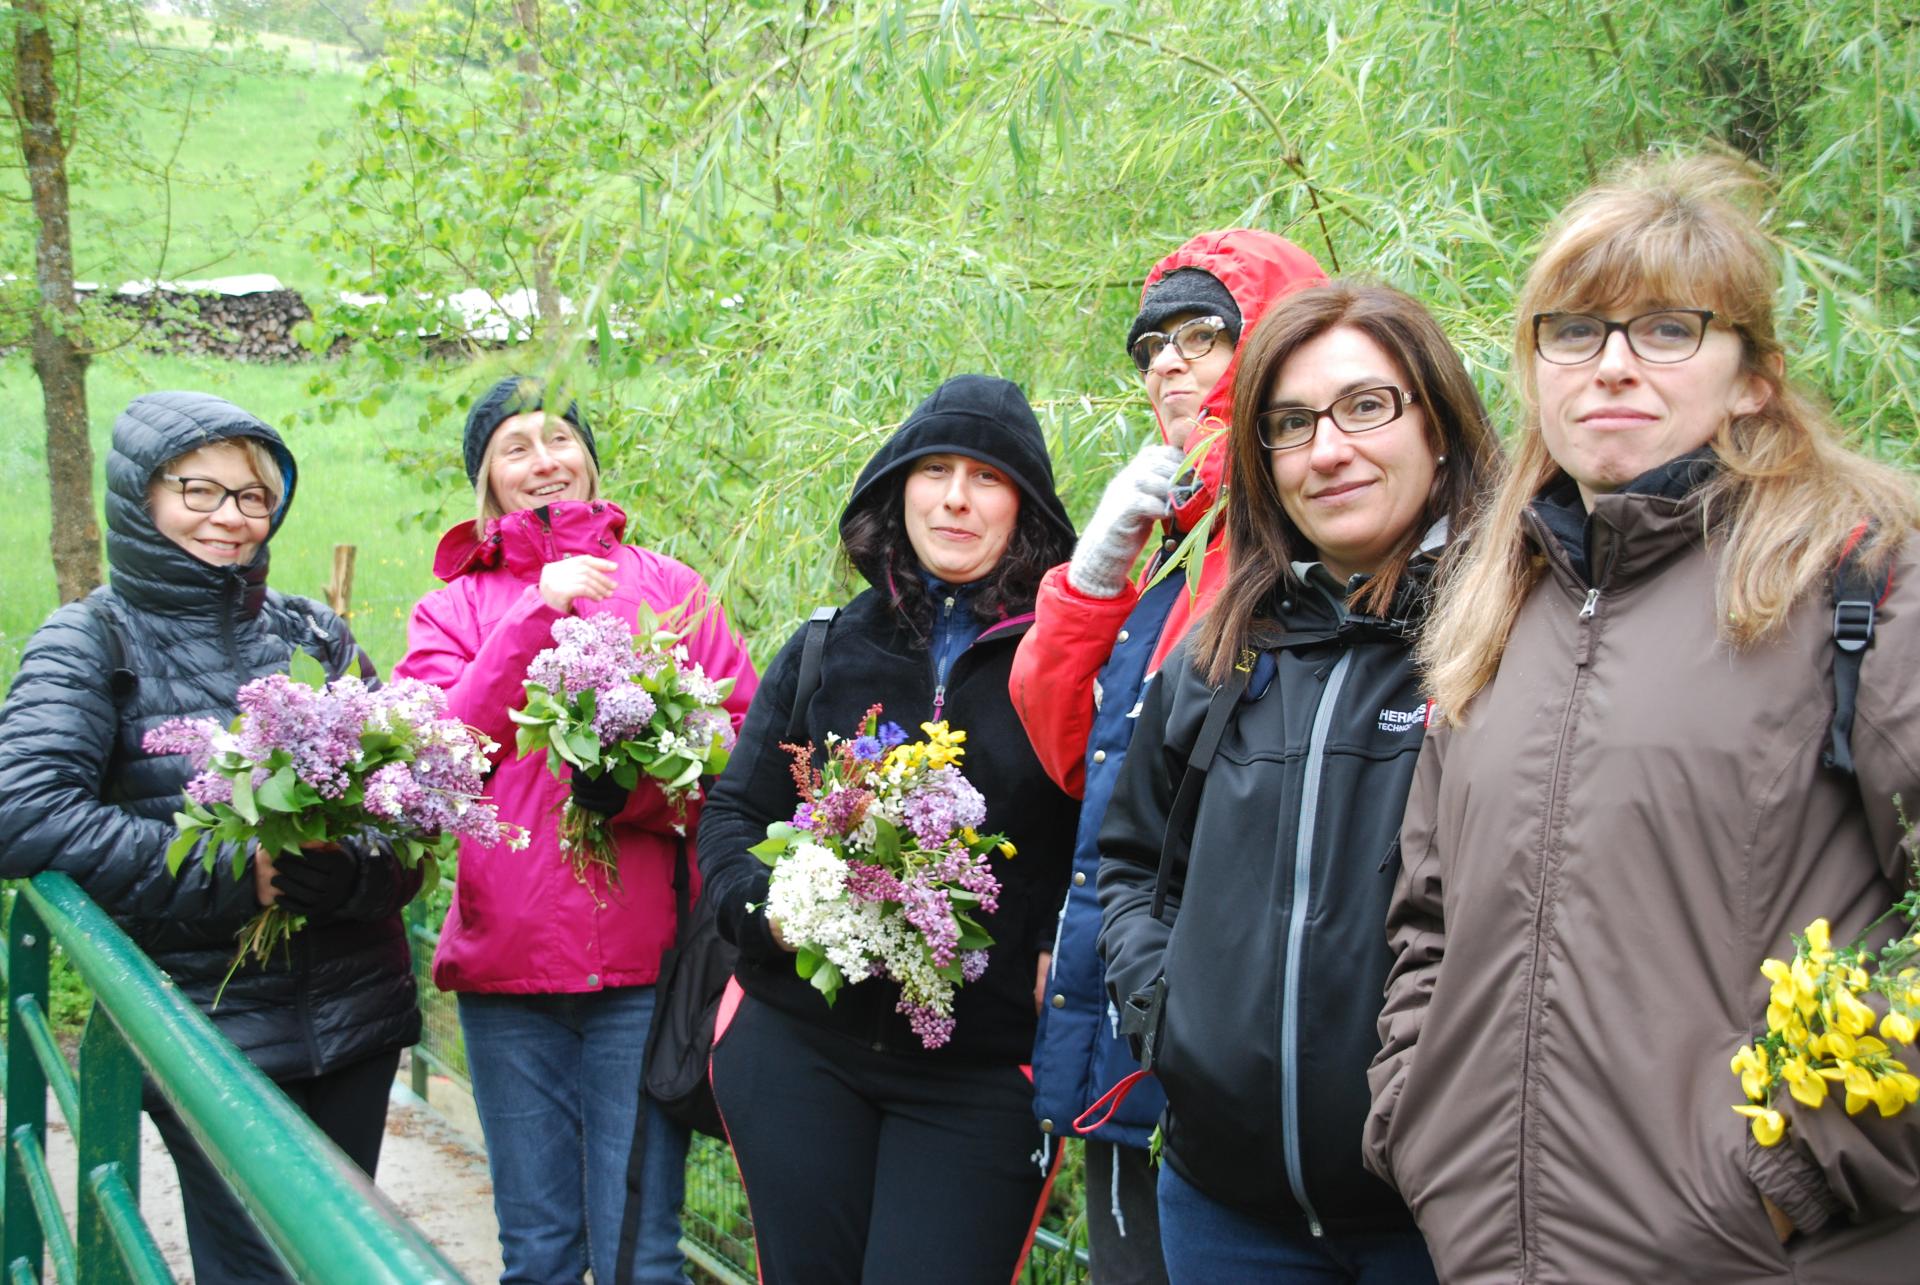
pixel 107 1134
pixel 27 950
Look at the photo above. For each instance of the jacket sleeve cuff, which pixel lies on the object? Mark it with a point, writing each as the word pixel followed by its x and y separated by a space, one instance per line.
pixel 1795 1183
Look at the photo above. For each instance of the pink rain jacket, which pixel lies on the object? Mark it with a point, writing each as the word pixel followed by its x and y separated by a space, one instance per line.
pixel 520 921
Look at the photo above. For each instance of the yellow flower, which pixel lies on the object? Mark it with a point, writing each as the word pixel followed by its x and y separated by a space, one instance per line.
pixel 1898 1026
pixel 1834 1044
pixel 1888 1094
pixel 1819 943
pixel 1751 1067
pixel 1007 849
pixel 1768 1125
pixel 1806 988
pixel 969 835
pixel 1849 1014
pixel 1806 1087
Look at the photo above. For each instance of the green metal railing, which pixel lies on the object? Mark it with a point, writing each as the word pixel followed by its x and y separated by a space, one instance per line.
pixel 320 1213
pixel 716 1229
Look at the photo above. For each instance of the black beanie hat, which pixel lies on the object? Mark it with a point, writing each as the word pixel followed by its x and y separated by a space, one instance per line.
pixel 512 396
pixel 1185 290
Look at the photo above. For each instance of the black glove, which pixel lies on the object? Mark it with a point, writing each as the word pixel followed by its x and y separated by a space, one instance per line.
pixel 600 794
pixel 315 883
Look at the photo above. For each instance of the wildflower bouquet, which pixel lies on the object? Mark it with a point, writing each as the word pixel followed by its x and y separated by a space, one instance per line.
pixel 606 700
pixel 1819 1024
pixel 317 762
pixel 881 868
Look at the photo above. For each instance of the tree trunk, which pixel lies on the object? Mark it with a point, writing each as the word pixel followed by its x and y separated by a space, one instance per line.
pixel 546 296
pixel 59 355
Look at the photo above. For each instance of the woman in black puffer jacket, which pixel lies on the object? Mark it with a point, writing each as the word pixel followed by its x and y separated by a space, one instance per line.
pixel 188 620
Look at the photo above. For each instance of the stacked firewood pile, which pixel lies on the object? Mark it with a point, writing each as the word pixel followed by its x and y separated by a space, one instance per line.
pixel 240 318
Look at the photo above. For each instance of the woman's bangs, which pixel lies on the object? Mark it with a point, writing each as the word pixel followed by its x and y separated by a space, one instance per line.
pixel 1634 268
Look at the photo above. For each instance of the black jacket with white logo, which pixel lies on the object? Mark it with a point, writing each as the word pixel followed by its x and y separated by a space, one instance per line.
pixel 1273 943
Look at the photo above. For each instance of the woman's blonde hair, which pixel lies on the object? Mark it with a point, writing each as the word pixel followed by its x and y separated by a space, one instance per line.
pixel 483 486
pixel 1789 495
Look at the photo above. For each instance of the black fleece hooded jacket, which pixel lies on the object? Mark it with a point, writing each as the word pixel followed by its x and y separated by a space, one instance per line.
pixel 874 653
pixel 79 794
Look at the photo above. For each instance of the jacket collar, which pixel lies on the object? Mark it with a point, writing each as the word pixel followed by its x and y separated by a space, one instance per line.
pixel 526 540
pixel 1629 533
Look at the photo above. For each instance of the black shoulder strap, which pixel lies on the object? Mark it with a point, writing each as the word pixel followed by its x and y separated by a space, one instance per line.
pixel 811 653
pixel 1178 843
pixel 1857 595
pixel 121 680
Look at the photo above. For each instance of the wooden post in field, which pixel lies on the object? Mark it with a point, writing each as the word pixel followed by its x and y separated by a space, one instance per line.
pixel 340 587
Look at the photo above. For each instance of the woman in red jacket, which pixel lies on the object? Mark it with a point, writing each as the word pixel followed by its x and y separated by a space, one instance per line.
pixel 555 976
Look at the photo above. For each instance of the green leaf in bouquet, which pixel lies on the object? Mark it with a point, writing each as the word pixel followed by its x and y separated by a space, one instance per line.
pixel 588 702
pixel 526 739
pixel 625 774
pixel 243 798
pixel 304 669
pixel 771 850
pixel 717 758
pixel 685 776
pixel 724 686
pixel 190 831
pixel 886 840
pixel 972 935
pixel 583 745
pixel 276 792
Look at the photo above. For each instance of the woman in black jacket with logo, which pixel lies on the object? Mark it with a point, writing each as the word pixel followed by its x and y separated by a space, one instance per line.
pixel 1358 443
pixel 866 1156
pixel 195 488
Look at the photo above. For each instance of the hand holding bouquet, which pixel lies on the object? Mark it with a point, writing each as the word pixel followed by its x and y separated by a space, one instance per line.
pixel 881 868
pixel 1819 1026
pixel 606 701
pixel 317 762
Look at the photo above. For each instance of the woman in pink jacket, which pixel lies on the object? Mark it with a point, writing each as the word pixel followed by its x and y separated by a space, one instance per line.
pixel 555 976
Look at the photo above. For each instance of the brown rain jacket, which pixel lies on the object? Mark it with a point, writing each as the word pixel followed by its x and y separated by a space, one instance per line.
pixel 1633 817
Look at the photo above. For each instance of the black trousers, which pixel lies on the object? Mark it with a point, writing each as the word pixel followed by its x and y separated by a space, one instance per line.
pixel 350 1107
pixel 872 1167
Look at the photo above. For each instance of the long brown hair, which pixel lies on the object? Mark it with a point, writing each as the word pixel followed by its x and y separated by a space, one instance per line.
pixel 1789 493
pixel 1262 541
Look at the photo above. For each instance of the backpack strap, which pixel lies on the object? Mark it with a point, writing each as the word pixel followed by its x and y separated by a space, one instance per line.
pixel 1178 843
pixel 121 680
pixel 812 655
pixel 1857 595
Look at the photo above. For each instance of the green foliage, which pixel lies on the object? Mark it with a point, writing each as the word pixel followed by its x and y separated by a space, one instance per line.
pixel 783 226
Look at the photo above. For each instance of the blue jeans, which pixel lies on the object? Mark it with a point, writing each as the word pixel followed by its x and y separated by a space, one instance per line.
pixel 1205 1242
pixel 556 1080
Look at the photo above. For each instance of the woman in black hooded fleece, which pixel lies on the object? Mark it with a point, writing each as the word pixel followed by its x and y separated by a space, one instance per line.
pixel 196 487
pixel 865 1155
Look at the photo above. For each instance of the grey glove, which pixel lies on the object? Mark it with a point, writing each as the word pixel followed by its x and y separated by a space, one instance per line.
pixel 1124 518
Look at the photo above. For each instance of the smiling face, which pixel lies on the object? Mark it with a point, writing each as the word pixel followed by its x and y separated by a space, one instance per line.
pixel 960 515
pixel 1176 385
pixel 1614 416
pixel 535 458
pixel 1353 496
pixel 224 537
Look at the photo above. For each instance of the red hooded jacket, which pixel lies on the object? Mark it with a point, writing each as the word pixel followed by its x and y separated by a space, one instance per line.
pixel 1072 635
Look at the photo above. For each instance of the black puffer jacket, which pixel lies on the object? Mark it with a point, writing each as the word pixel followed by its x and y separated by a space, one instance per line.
pixel 1272 945
pixel 875 654
pixel 79 795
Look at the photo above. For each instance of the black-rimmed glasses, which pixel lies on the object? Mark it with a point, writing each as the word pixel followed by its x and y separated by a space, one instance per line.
pixel 1357 412
pixel 1192 339
pixel 204 495
pixel 1661 337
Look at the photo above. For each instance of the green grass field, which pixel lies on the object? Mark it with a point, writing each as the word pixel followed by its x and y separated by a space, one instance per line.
pixel 348 492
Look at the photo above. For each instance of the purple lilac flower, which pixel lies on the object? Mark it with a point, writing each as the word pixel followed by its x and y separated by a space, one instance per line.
pixel 589 652
pixel 842 810
pixel 319 731
pixel 392 792
pixel 933 1029
pixel 209 788
pixel 190 736
pixel 929 911
pixel 622 712
pixel 866 882
pixel 973 965
pixel 975 874
pixel 702 725
pixel 943 803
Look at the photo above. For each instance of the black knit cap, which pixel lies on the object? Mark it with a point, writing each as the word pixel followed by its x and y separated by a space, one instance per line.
pixel 1192 290
pixel 512 396
pixel 982 418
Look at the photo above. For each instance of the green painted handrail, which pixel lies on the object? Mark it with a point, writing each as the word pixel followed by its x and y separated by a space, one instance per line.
pixel 322 1215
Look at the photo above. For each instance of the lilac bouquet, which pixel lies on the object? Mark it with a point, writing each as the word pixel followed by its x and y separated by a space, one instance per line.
pixel 315 762
pixel 881 868
pixel 608 700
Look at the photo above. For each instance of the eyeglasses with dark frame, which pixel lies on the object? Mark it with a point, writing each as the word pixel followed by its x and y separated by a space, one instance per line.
pixel 1361 411
pixel 1663 337
pixel 204 495
pixel 1193 339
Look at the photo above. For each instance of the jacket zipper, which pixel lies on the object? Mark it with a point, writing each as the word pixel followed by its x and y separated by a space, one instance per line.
pixel 1582 655
pixel 1304 827
pixel 545 515
pixel 942 667
pixel 234 588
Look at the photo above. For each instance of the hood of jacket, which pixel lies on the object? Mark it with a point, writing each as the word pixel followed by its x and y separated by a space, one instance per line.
pixel 526 540
pixel 1256 268
pixel 148 570
pixel 980 417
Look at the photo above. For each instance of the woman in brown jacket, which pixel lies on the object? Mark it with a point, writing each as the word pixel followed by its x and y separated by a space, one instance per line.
pixel 1625 809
